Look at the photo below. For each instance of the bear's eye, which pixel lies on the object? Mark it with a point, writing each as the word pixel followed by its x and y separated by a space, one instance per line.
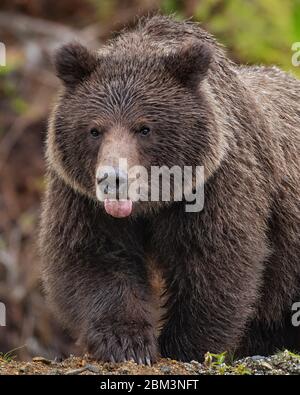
pixel 144 131
pixel 95 133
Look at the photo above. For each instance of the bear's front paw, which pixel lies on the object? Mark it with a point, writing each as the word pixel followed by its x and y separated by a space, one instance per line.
pixel 123 342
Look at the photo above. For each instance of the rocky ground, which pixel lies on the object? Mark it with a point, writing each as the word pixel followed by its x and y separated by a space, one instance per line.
pixel 284 363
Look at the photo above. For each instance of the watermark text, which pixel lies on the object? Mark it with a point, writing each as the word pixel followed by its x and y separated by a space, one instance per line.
pixel 2 54
pixel 296 315
pixel 296 56
pixel 2 314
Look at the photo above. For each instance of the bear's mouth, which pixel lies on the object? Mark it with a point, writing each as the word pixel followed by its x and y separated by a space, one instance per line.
pixel 118 208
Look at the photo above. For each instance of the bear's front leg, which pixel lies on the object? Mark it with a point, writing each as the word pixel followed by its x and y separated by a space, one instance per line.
pixel 213 271
pixel 121 327
pixel 96 278
pixel 106 302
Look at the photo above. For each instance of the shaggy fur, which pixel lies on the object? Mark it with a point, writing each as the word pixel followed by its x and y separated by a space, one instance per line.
pixel 232 271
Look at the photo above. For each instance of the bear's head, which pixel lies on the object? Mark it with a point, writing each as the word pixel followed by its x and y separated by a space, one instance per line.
pixel 144 108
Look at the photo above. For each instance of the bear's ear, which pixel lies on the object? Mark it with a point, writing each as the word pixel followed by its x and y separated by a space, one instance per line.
pixel 190 63
pixel 73 63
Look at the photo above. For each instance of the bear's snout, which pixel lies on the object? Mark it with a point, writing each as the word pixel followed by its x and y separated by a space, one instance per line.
pixel 111 182
pixel 112 189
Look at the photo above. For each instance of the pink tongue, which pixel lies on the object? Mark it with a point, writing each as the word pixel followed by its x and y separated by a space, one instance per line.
pixel 118 208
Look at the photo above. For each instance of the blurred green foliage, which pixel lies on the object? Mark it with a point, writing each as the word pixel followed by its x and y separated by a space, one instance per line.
pixel 255 31
pixel 105 8
pixel 9 89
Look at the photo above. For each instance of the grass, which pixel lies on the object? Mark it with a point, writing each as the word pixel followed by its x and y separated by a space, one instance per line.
pixel 9 355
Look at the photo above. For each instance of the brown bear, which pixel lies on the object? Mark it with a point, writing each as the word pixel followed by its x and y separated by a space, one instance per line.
pixel 166 94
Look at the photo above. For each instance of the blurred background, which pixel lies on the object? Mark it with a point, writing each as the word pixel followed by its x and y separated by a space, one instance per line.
pixel 254 31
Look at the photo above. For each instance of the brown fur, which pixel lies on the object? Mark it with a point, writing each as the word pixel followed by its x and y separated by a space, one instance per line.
pixel 232 271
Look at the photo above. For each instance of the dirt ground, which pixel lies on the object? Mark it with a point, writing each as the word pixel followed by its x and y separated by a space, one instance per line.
pixel 284 363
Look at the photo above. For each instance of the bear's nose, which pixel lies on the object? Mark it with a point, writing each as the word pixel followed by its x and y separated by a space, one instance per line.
pixel 113 182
